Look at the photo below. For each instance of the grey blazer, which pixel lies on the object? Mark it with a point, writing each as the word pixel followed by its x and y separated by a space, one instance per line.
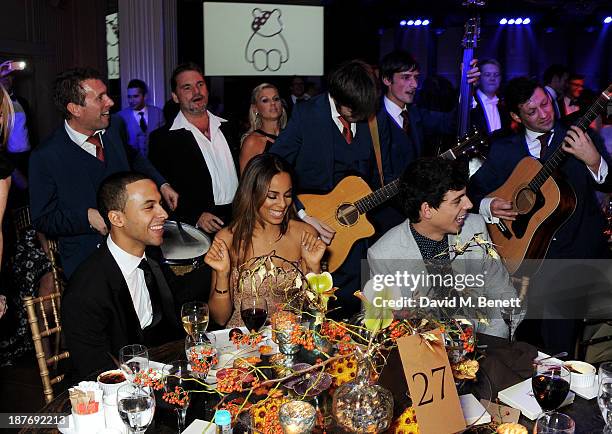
pixel 397 251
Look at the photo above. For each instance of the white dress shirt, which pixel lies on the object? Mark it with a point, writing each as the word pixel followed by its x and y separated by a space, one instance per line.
pixel 535 148
pixel 335 115
pixel 81 139
pixel 134 277
pixel 217 155
pixel 145 115
pixel 491 111
pixel 395 111
pixel 569 109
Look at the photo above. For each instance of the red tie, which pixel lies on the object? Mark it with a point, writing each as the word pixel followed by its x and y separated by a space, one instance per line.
pixel 406 121
pixel 544 139
pixel 95 140
pixel 346 130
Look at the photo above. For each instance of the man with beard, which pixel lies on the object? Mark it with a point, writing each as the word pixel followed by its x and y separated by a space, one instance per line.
pixel 193 154
pixel 66 170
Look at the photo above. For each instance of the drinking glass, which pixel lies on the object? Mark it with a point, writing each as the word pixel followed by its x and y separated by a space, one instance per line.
pixel 177 382
pixel 604 371
pixel 254 312
pixel 201 354
pixel 551 384
pixel 194 316
pixel 604 400
pixel 511 314
pixel 136 406
pixel 134 359
pixel 554 423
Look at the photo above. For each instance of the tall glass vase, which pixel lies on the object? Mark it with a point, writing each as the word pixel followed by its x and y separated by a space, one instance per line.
pixel 361 405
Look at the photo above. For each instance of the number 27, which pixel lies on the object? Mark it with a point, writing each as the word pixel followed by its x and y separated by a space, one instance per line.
pixel 426 381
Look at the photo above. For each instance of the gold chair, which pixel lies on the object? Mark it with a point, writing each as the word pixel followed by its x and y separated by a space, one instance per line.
pixel 48 328
pixel 21 219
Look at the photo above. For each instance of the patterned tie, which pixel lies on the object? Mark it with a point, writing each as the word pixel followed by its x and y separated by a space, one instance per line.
pixel 95 140
pixel 153 290
pixel 143 123
pixel 544 139
pixel 405 121
pixel 346 130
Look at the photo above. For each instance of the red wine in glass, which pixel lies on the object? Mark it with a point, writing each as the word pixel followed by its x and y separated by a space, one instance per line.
pixel 254 312
pixel 550 385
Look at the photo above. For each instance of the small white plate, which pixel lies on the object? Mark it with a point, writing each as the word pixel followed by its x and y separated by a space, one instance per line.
pixel 199 426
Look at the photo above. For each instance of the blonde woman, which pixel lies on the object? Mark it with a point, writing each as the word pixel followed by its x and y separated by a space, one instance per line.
pixel 267 117
pixel 6 123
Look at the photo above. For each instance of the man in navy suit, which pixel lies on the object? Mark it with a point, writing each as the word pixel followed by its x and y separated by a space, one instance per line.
pixel 585 169
pixel 140 118
pixel 327 139
pixel 66 170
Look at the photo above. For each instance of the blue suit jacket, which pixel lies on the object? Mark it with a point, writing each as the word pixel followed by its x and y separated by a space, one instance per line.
pixel 136 138
pixel 581 236
pixel 64 181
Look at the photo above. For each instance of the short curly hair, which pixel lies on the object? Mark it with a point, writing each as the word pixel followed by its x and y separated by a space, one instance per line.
pixel 68 88
pixel 428 180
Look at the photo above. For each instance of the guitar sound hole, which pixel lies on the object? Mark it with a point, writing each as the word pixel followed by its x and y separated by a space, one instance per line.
pixel 347 214
pixel 525 199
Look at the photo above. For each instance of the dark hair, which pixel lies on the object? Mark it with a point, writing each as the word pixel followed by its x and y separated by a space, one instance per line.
pixel 552 71
pixel 251 195
pixel 428 180
pixel 575 76
pixel 397 61
pixel 353 85
pixel 187 66
pixel 136 83
pixel 112 193
pixel 68 88
pixel 518 91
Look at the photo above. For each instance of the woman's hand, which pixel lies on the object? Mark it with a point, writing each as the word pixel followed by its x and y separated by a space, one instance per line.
pixel 218 257
pixel 313 249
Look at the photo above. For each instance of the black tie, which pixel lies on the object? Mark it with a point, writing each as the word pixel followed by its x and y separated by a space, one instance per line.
pixel 153 291
pixel 544 139
pixel 143 124
pixel 405 121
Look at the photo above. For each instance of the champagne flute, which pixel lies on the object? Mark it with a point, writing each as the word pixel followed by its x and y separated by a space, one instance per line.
pixel 604 400
pixel 254 312
pixel 551 384
pixel 554 423
pixel 194 316
pixel 134 359
pixel 176 383
pixel 136 406
pixel 511 312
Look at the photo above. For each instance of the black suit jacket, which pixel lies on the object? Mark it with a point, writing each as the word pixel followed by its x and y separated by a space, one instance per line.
pixel 98 313
pixel 478 118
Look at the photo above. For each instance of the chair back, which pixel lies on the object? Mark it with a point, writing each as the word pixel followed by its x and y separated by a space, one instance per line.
pixel 39 310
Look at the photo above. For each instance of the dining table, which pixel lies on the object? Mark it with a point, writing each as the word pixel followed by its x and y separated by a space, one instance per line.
pixel 584 412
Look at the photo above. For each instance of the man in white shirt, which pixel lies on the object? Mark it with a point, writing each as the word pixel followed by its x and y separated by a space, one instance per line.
pixel 573 92
pixel 120 295
pixel 194 155
pixel 488 114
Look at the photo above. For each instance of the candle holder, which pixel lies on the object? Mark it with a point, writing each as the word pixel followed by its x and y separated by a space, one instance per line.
pixel 297 417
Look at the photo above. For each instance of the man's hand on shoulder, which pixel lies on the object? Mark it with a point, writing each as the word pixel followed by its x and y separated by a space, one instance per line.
pixel 326 232
pixel 170 195
pixel 96 221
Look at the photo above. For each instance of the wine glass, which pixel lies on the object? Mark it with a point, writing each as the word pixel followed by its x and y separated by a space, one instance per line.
pixel 176 384
pixel 194 316
pixel 554 423
pixel 511 312
pixel 201 354
pixel 551 384
pixel 604 400
pixel 604 371
pixel 134 359
pixel 136 406
pixel 254 312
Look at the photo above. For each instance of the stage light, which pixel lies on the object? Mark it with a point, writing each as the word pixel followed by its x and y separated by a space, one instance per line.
pixel 417 22
pixel 425 22
pixel 511 21
pixel 403 23
pixel 518 21
pixel 503 21
pixel 527 21
pixel 607 20
pixel 410 23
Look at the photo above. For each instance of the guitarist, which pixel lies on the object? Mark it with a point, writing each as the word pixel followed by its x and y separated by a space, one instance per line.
pixel 327 139
pixel 585 169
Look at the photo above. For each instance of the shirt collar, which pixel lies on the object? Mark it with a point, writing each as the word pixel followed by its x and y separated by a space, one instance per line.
pixel 484 98
pixel 334 111
pixel 180 121
pixel 76 137
pixel 532 136
pixel 429 248
pixel 144 110
pixel 392 108
pixel 127 262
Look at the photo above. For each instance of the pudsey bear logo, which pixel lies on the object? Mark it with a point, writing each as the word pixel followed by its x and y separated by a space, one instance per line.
pixel 266 48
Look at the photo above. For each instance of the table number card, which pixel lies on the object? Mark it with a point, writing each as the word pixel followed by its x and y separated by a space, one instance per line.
pixel 431 384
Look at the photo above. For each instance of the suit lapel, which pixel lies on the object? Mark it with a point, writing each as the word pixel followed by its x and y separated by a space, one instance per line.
pixel 165 295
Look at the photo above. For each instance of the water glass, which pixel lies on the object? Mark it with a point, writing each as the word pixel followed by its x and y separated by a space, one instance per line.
pixel 134 359
pixel 604 400
pixel 554 423
pixel 136 406
pixel 604 371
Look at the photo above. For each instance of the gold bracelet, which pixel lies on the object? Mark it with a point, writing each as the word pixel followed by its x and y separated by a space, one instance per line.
pixel 221 291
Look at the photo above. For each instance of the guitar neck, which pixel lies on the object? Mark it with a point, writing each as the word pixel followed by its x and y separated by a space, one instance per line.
pixel 465 93
pixel 377 197
pixel 555 160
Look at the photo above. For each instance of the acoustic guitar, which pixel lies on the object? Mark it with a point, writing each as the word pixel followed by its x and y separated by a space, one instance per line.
pixel 543 200
pixel 344 208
